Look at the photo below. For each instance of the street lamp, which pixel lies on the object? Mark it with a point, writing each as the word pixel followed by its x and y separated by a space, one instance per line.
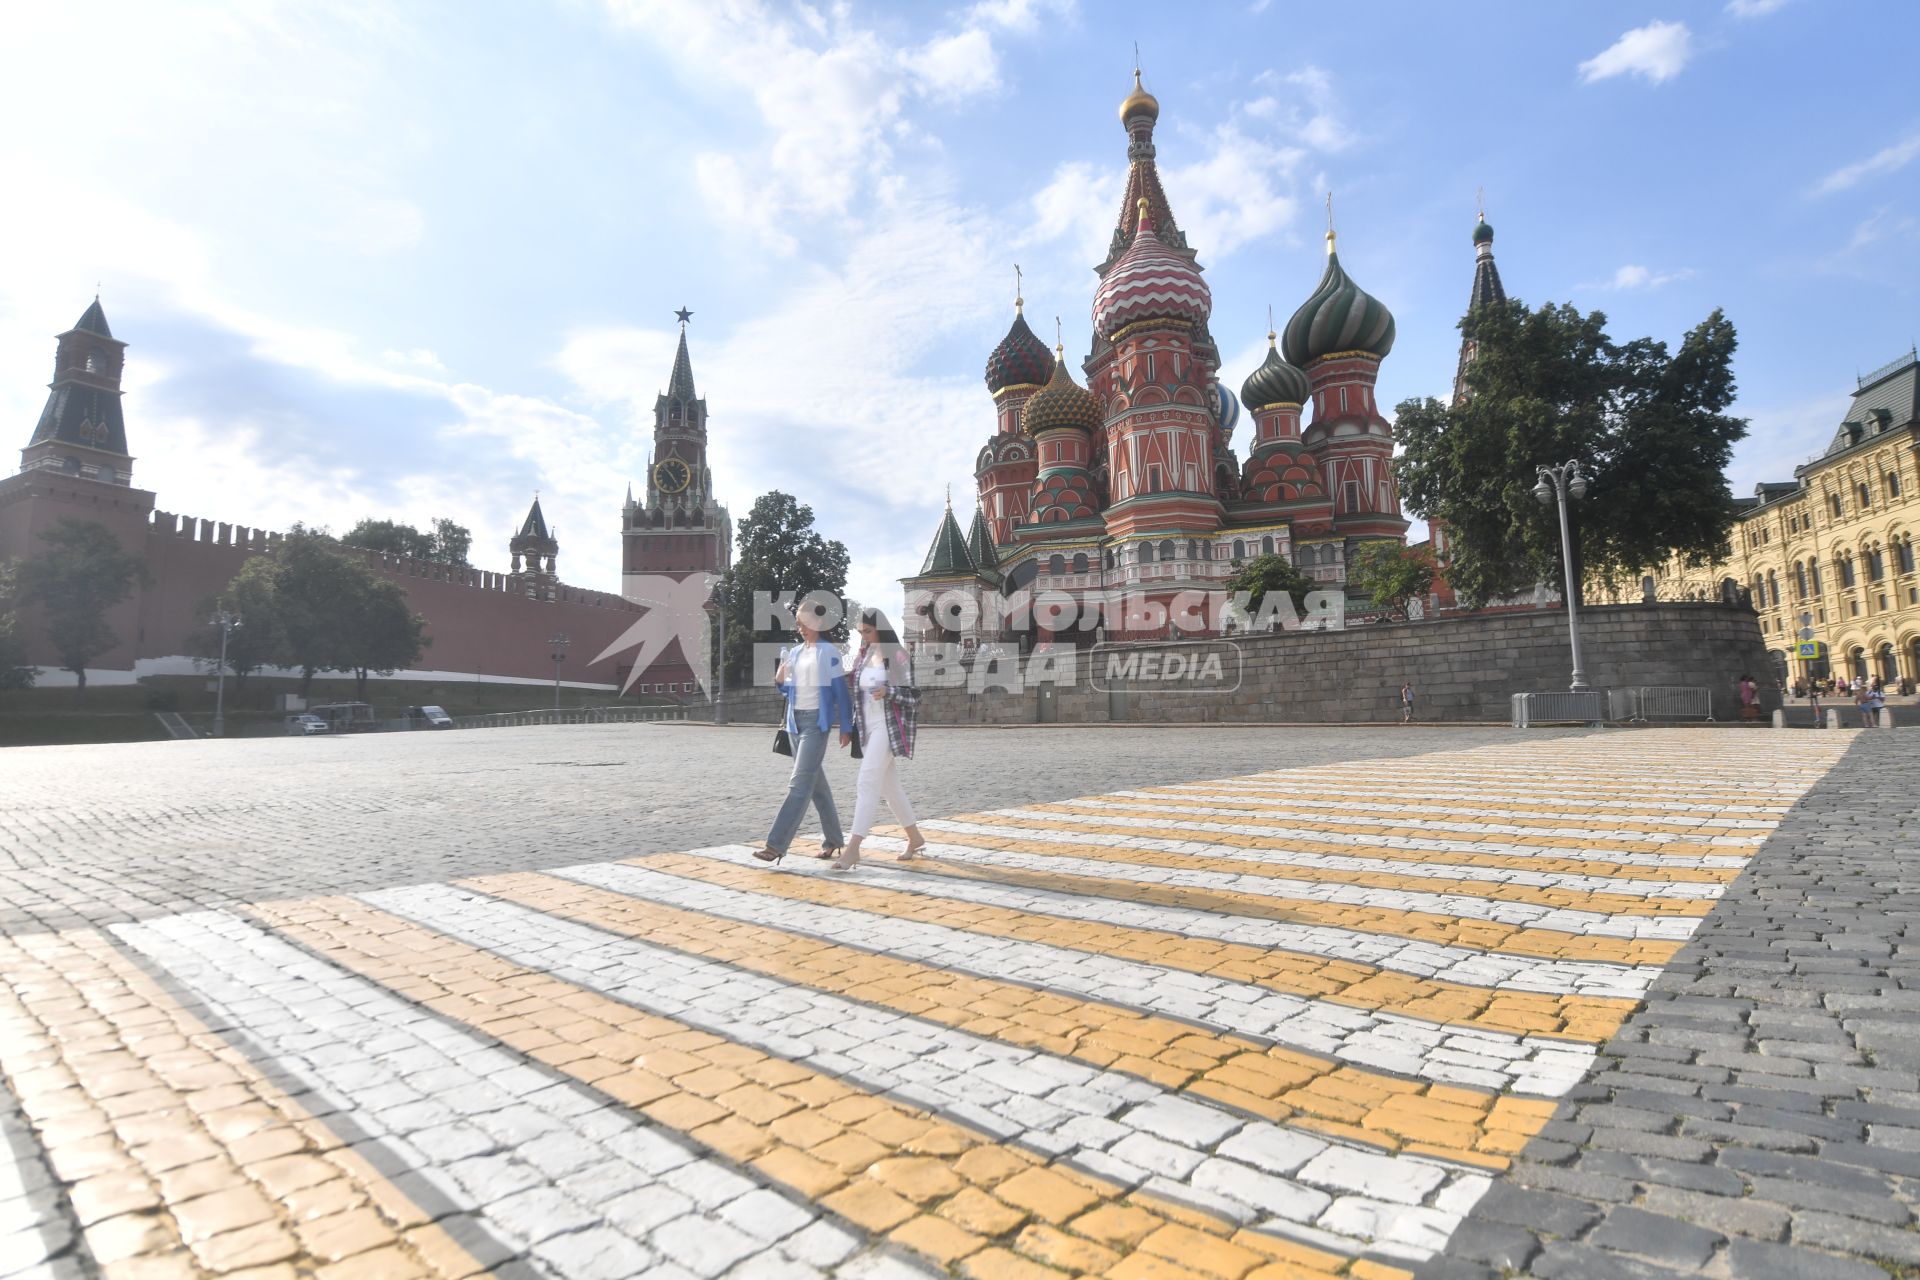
pixel 1561 483
pixel 226 620
pixel 720 670
pixel 558 644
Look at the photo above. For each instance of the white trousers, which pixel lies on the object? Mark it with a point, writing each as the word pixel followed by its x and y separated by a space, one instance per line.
pixel 879 779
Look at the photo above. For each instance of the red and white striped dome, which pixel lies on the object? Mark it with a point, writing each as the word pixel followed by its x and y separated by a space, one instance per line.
pixel 1150 282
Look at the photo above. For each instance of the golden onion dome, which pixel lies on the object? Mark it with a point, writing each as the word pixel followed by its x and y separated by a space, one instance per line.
pixel 1060 405
pixel 1139 102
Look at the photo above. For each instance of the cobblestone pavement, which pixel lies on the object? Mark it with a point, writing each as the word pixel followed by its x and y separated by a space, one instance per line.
pixel 453 1004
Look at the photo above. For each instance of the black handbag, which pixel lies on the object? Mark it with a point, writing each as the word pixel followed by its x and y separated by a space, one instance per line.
pixel 857 753
pixel 782 743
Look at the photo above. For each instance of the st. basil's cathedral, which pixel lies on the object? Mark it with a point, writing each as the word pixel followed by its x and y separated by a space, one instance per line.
pixel 1130 486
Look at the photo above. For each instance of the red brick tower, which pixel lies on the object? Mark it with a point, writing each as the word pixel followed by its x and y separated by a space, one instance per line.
pixel 679 529
pixel 537 549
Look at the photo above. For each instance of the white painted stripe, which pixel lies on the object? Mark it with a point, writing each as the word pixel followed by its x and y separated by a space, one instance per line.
pixel 1351 809
pixel 1386 951
pixel 1390 1042
pixel 1530 915
pixel 1119 1127
pixel 545 1165
pixel 30 1229
pixel 1308 833
pixel 1521 800
pixel 1683 890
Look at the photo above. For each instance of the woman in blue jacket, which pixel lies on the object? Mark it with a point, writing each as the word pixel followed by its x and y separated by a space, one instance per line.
pixel 813 678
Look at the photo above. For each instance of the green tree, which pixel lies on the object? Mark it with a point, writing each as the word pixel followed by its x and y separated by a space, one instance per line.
pixel 383 635
pixel 445 543
pixel 1390 575
pixel 777 549
pixel 1547 386
pixel 259 640
pixel 15 673
pixel 83 573
pixel 316 591
pixel 1267 573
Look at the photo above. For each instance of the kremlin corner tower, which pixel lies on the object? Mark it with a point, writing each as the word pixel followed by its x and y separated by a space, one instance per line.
pixel 1130 486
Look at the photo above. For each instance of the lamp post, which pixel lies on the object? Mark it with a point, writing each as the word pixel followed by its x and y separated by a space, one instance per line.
pixel 226 620
pixel 1559 484
pixel 558 644
pixel 720 669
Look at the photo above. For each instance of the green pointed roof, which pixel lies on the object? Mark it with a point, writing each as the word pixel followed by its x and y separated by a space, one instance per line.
pixel 535 525
pixel 980 542
pixel 948 555
pixel 94 320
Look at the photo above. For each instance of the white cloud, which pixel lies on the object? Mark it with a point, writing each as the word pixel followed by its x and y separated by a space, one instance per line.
pixel 418 358
pixel 1656 52
pixel 1885 223
pixel 1889 159
pixel 1754 8
pixel 1233 194
pixel 1633 276
pixel 956 66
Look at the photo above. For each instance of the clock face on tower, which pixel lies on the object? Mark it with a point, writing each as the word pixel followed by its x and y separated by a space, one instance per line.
pixel 672 475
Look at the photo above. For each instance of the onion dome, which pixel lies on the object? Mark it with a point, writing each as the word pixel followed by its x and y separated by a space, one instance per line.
pixel 1226 410
pixel 1339 317
pixel 1150 282
pixel 1483 234
pixel 1139 102
pixel 1060 404
pixel 1021 358
pixel 1275 381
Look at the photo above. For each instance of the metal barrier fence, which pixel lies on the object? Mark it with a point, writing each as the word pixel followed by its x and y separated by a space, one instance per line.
pixel 1664 702
pixel 1564 707
pixel 570 715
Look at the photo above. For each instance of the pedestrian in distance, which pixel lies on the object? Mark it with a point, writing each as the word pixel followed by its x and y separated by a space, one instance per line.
pixel 813 679
pixel 1406 703
pixel 1877 704
pixel 1863 700
pixel 1749 698
pixel 885 713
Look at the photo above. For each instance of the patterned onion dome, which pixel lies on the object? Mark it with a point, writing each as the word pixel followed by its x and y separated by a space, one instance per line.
pixel 1340 316
pixel 1483 234
pixel 1226 410
pixel 1150 282
pixel 1020 358
pixel 1061 403
pixel 1275 382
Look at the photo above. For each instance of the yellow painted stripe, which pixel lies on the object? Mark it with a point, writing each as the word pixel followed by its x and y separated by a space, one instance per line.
pixel 1538 895
pixel 1472 1126
pixel 1454 818
pixel 1513 862
pixel 930 1185
pixel 1571 844
pixel 1588 1018
pixel 179 1155
pixel 1426 926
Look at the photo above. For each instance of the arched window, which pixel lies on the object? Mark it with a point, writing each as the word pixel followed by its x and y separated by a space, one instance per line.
pixel 1813 565
pixel 1193 548
pixel 1876 564
pixel 1057 564
pixel 1893 484
pixel 1866 496
pixel 1833 500
pixel 1168 551
pixel 1079 562
pixel 1330 553
pixel 1846 570
pixel 94 363
pixel 1146 553
pixel 1773 587
pixel 1266 544
pixel 1903 551
pixel 1239 549
pixel 1799 580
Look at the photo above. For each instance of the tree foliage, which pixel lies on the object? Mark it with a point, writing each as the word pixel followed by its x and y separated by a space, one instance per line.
pixel 444 543
pixel 1390 574
pixel 259 639
pixel 83 573
pixel 384 635
pixel 1549 386
pixel 1267 573
pixel 15 673
pixel 777 549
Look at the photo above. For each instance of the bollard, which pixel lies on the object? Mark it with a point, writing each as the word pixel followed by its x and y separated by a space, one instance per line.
pixel 1886 718
pixel 1833 717
pixel 1779 718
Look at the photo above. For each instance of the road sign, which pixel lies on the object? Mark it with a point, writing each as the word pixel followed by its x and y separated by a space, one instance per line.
pixel 1810 649
pixel 1806 633
pixel 1806 619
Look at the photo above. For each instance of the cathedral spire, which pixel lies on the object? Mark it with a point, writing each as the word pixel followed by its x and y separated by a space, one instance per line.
pixel 680 384
pixel 1138 112
pixel 1487 291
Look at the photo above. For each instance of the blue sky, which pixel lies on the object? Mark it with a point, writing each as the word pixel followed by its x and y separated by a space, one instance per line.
pixel 421 259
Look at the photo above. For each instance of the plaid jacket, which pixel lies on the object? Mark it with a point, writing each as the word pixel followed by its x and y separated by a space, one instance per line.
pixel 901 707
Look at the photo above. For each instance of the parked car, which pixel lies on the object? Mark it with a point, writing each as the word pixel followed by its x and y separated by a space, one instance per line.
pixel 305 723
pixel 428 718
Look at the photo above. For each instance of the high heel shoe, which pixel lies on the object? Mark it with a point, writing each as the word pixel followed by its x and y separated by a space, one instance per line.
pixel 847 861
pixel 913 851
pixel 769 855
pixel 828 852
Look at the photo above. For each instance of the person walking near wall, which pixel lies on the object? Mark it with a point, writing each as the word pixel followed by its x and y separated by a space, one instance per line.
pixel 1749 698
pixel 1406 703
pixel 814 682
pixel 886 709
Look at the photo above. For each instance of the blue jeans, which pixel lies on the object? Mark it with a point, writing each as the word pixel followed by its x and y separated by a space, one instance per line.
pixel 807 782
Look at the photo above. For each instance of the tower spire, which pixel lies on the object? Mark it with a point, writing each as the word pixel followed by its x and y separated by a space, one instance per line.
pixel 1019 302
pixel 1330 239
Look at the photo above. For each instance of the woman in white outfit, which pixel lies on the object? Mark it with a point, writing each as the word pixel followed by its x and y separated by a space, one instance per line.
pixel 885 706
